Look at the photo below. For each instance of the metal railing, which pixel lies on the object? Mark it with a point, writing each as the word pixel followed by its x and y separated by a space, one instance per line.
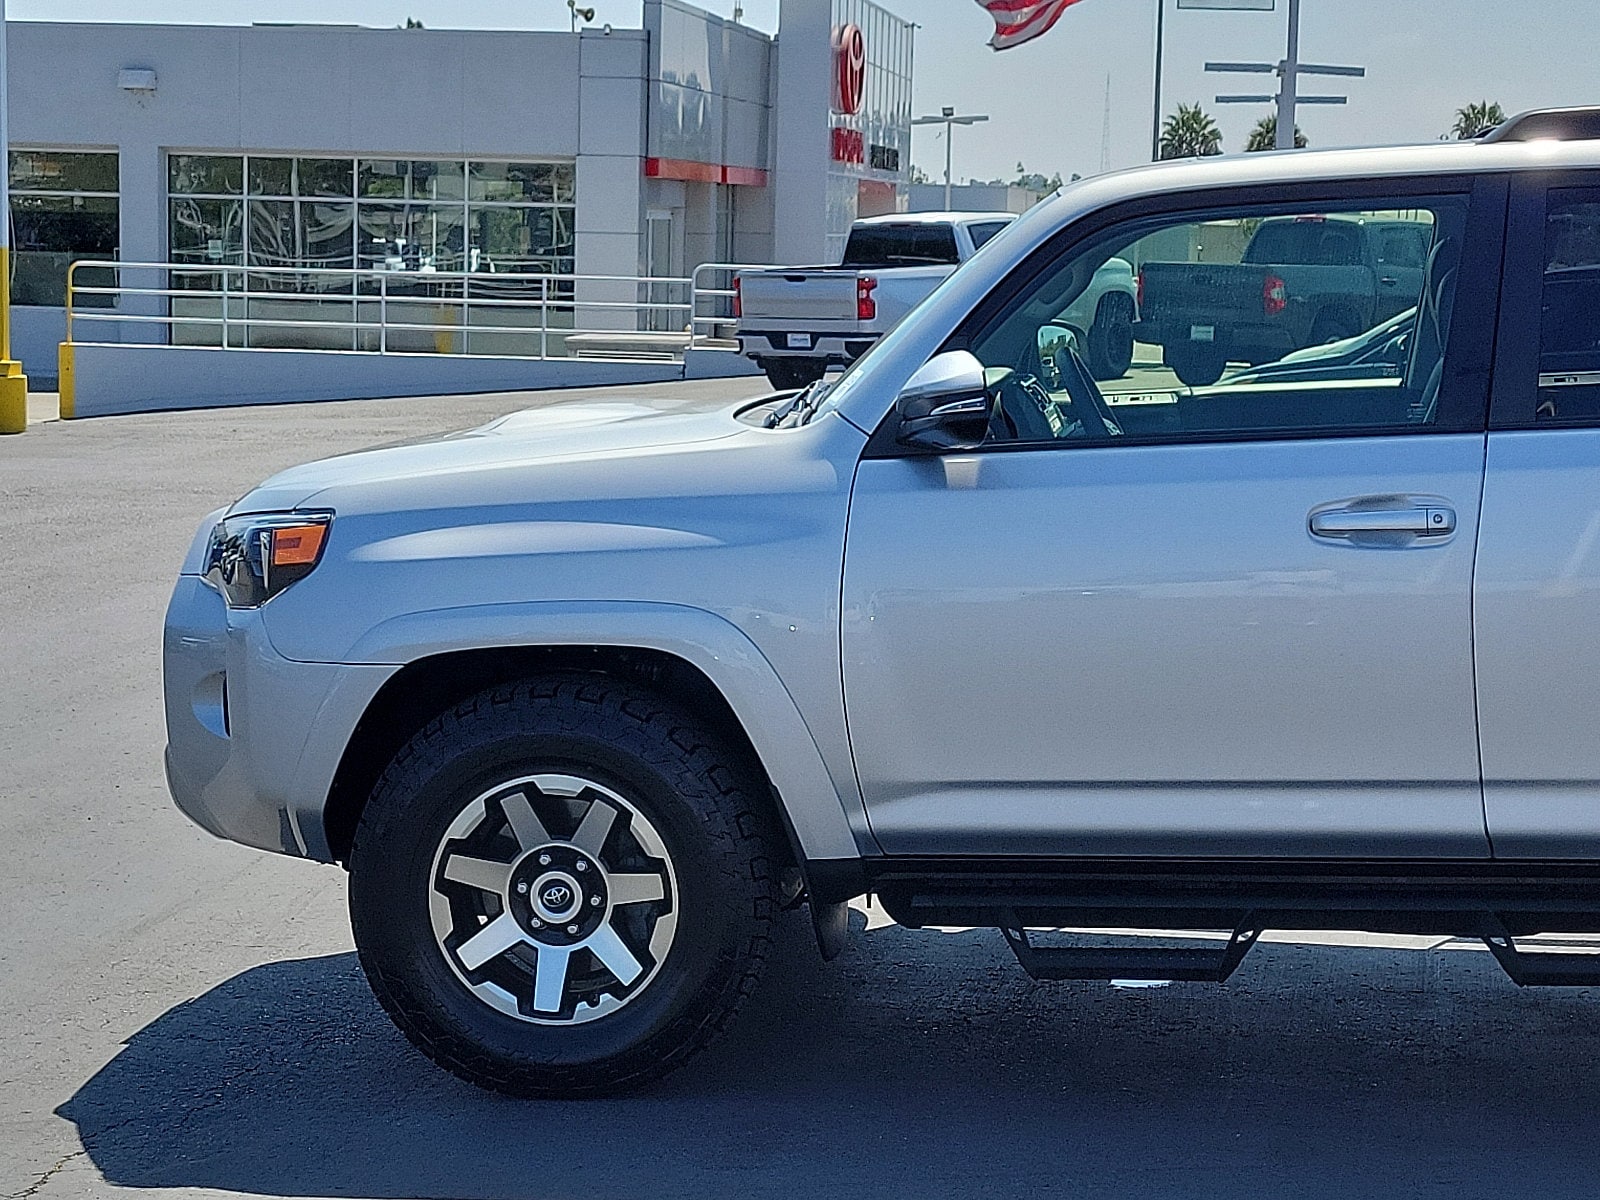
pixel 385 311
pixel 703 294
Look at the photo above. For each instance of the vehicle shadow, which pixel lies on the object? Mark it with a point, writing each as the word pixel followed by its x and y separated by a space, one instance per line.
pixel 918 1065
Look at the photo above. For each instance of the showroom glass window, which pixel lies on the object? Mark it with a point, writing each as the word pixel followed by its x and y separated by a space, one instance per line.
pixel 449 215
pixel 63 208
pixel 334 226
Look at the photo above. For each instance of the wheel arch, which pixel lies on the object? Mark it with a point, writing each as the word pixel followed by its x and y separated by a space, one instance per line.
pixel 690 656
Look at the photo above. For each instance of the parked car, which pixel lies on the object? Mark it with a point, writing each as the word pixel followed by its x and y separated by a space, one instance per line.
pixel 1303 281
pixel 585 699
pixel 796 322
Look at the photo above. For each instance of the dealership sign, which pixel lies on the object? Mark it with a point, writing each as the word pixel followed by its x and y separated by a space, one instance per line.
pixel 849 69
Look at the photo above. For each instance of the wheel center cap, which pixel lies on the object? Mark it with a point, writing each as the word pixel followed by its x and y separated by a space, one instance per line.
pixel 555 896
pixel 558 894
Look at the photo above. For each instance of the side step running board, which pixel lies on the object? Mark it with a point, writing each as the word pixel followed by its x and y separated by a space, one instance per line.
pixel 1538 969
pixel 1185 964
pixel 1135 962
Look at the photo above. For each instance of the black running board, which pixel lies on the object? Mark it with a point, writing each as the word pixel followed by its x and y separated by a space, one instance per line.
pixel 1153 963
pixel 1185 964
pixel 1533 968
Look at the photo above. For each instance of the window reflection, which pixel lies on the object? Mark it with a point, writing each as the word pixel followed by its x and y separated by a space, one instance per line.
pixel 409 230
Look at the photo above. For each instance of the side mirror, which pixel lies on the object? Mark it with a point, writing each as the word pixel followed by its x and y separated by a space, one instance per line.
pixel 945 405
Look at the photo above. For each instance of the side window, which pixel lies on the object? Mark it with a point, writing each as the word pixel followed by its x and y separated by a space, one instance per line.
pixel 983 231
pixel 1242 322
pixel 1569 322
pixel 1399 246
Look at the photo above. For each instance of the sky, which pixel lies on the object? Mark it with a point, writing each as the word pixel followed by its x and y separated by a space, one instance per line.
pixel 1047 101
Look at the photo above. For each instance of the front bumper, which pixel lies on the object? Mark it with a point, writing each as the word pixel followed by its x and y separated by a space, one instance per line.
pixel 253 739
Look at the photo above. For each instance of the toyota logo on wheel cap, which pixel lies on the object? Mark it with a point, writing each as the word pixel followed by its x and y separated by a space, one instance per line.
pixel 557 897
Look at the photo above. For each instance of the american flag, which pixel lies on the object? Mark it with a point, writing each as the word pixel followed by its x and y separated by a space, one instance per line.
pixel 1018 21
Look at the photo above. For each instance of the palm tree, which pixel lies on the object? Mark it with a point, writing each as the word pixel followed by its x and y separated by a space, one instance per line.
pixel 1190 133
pixel 1265 135
pixel 1475 119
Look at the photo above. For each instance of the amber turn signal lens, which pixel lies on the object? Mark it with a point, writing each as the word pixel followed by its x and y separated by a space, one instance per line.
pixel 297 545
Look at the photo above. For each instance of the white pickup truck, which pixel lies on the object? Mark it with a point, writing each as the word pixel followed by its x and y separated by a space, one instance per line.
pixel 796 322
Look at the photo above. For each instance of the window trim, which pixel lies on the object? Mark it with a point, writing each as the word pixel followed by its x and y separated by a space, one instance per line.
pixel 1469 355
pixel 1515 392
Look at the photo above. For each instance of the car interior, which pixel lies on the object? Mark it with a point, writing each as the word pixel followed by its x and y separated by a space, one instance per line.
pixel 1041 390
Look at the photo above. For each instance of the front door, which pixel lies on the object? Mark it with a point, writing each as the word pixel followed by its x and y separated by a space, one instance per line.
pixel 1143 619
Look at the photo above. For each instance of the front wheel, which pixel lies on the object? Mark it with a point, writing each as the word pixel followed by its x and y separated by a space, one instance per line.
pixel 552 896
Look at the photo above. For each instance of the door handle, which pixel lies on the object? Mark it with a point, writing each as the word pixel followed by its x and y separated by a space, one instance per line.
pixel 1432 520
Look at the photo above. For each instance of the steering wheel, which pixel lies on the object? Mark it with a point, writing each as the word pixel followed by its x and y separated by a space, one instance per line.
pixel 1087 401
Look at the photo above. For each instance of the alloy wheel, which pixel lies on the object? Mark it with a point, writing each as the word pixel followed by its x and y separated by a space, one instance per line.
pixel 553 899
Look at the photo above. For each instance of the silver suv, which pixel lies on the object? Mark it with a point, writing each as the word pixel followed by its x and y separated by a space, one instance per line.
pixel 584 698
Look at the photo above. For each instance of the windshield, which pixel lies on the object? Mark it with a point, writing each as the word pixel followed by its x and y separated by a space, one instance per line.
pixel 898 245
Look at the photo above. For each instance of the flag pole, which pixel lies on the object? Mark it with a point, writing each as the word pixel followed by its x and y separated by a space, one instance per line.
pixel 1155 116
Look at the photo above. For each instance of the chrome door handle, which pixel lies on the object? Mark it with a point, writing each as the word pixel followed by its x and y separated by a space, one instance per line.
pixel 1423 521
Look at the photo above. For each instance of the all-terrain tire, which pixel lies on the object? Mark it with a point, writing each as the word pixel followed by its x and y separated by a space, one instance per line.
pixel 1110 349
pixel 701 798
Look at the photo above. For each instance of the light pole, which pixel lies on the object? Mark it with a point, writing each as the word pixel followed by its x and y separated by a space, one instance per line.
pixel 1288 71
pixel 13 383
pixel 947 117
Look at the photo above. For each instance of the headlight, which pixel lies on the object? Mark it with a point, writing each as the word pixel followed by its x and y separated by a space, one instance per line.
pixel 254 557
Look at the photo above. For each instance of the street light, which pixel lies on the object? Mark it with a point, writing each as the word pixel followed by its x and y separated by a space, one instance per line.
pixel 1288 70
pixel 13 384
pixel 947 117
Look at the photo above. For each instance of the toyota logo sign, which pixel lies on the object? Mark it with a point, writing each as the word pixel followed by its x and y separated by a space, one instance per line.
pixel 557 897
pixel 850 74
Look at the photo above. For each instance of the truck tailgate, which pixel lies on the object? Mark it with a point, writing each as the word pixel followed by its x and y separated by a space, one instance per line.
pixel 797 296
pixel 1220 292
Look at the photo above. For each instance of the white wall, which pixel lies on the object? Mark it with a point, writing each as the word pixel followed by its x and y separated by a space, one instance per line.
pixel 386 92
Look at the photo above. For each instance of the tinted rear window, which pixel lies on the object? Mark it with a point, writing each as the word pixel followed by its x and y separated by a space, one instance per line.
pixel 900 245
pixel 1306 243
pixel 981 233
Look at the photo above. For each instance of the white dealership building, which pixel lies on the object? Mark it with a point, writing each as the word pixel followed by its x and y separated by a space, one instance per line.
pixel 608 152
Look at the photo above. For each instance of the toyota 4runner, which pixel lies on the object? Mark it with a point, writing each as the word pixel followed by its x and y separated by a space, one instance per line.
pixel 584 698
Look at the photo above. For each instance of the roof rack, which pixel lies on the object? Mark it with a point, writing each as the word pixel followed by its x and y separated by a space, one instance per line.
pixel 1548 124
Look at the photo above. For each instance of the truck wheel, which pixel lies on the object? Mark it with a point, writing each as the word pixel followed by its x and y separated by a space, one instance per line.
pixel 563 887
pixel 1195 366
pixel 1333 326
pixel 789 374
pixel 1111 338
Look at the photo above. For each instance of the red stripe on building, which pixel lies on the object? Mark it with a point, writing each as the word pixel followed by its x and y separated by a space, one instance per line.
pixel 700 172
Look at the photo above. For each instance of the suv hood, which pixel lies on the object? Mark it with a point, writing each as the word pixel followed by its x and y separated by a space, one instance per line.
pixel 562 431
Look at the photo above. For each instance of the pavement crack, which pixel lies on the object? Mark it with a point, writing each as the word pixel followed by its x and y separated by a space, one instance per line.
pixel 34 1188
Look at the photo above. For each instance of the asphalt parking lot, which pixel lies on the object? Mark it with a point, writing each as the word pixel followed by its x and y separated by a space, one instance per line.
pixel 181 1016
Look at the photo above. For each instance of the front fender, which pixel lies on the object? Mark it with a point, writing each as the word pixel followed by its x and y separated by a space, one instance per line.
pixel 828 820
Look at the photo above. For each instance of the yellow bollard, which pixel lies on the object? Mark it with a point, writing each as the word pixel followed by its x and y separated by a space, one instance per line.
pixel 68 386
pixel 13 398
pixel 13 383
